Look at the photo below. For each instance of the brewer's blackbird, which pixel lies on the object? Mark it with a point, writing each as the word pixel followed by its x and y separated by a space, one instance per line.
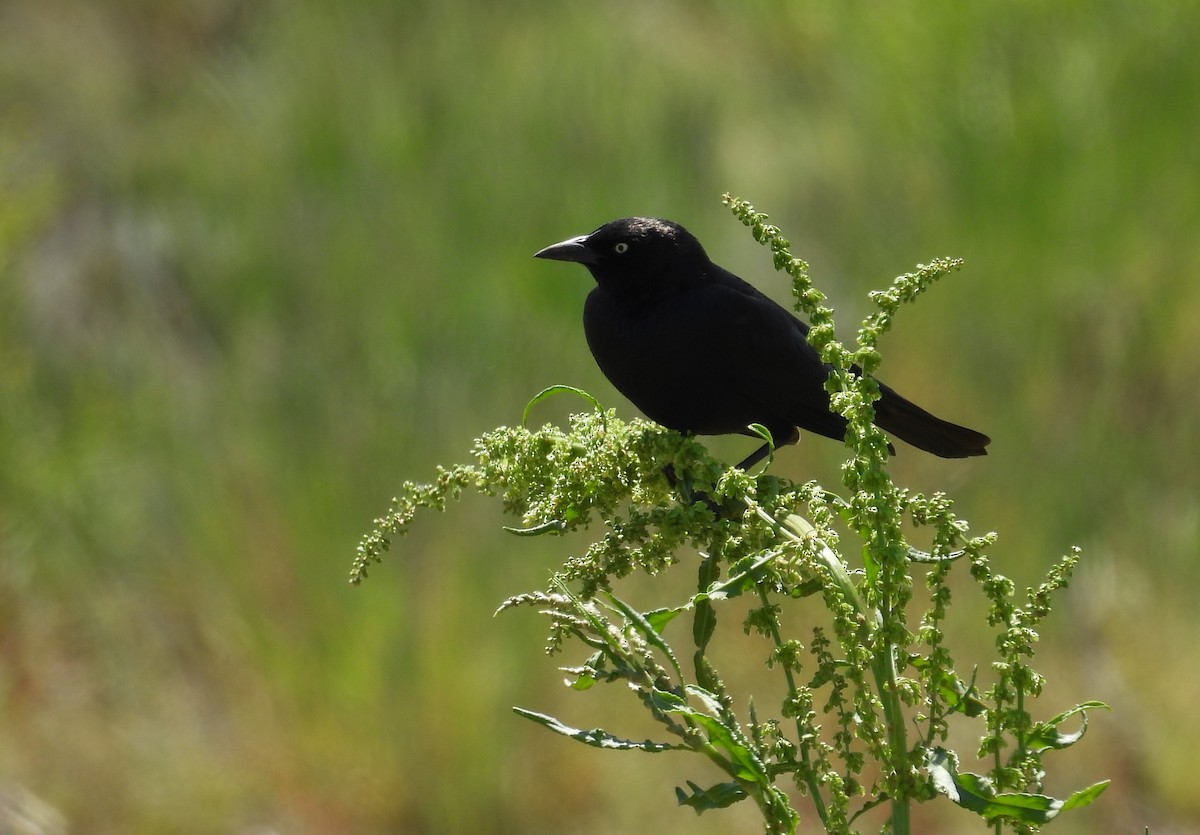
pixel 699 350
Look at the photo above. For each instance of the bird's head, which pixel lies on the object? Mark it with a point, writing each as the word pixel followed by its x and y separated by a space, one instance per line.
pixel 635 256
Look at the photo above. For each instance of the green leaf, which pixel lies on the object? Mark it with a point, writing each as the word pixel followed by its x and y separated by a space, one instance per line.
pixel 764 433
pixel 553 390
pixel 714 797
pixel 583 681
pixel 744 576
pixel 805 589
pixel 737 584
pixel 709 699
pixel 724 735
pixel 974 792
pixel 1083 797
pixel 596 737
pixel 669 702
pixel 741 762
pixel 659 618
pixel 647 629
pixel 704 621
pixel 1045 735
pixel 553 526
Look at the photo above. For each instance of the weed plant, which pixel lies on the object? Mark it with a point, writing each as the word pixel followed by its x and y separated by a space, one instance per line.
pixel 872 692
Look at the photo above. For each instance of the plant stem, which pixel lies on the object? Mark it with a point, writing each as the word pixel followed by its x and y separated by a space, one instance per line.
pixel 814 788
pixel 884 670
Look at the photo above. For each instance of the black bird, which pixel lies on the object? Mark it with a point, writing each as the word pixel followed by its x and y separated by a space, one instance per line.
pixel 701 351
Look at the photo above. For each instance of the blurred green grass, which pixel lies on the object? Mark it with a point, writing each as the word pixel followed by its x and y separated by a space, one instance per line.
pixel 261 262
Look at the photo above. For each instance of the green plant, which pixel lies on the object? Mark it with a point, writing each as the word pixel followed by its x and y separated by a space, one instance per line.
pixel 870 692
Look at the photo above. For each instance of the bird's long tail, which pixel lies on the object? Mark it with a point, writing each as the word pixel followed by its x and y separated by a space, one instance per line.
pixel 913 425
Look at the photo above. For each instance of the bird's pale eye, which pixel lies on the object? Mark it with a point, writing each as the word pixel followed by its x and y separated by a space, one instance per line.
pixel 621 248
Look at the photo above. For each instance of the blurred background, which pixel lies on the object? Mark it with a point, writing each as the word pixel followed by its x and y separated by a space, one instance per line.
pixel 262 262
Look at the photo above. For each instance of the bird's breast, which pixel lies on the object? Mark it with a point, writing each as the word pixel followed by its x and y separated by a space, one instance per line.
pixel 656 354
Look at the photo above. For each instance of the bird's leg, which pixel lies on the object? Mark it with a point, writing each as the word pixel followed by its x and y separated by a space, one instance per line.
pixel 765 450
pixel 684 487
pixel 754 457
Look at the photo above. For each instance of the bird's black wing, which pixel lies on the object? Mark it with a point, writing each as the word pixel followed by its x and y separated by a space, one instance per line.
pixel 759 355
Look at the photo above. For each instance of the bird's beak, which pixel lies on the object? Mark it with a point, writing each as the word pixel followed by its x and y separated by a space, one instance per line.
pixel 573 249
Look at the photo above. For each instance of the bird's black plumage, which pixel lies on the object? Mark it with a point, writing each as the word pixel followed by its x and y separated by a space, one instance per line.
pixel 699 350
